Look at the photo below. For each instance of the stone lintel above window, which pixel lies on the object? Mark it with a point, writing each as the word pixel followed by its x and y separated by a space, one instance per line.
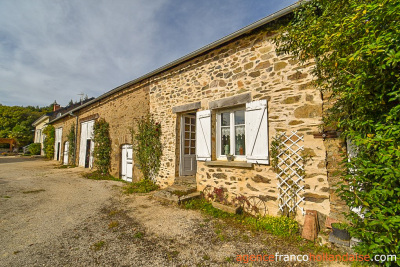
pixel 231 101
pixel 187 107
pixel 239 164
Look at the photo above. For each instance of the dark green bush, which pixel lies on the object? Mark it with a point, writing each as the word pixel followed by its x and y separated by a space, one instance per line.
pixel 35 148
pixel 48 143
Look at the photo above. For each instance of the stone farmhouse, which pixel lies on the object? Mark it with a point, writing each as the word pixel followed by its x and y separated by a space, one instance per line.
pixel 231 97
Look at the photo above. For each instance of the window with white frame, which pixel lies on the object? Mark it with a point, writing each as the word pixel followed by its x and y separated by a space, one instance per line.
pixel 231 135
pixel 242 132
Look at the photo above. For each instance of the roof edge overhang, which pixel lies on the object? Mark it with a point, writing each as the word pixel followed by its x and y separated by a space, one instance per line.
pixel 41 118
pixel 226 39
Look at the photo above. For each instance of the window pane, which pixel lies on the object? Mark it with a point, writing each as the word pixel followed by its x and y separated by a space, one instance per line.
pixel 225 140
pixel 186 151
pixel 193 151
pixel 240 140
pixel 239 117
pixel 225 119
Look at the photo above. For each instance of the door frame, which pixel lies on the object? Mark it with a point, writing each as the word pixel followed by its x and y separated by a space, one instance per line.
pixel 66 153
pixel 126 147
pixel 182 143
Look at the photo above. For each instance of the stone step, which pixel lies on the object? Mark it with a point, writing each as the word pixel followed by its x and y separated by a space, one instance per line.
pixel 190 196
pixel 177 193
pixel 185 180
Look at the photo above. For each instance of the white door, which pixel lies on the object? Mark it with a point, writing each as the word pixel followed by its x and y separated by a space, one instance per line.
pixel 66 151
pixel 188 164
pixel 57 144
pixel 127 163
pixel 86 145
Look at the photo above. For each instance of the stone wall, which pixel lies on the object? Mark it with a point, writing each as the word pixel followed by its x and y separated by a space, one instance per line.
pixel 248 64
pixel 120 110
pixel 66 124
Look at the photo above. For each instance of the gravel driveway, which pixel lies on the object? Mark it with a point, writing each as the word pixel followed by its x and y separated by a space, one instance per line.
pixel 54 217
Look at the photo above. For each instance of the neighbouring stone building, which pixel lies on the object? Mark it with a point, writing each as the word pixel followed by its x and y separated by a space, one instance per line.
pixel 231 97
pixel 120 108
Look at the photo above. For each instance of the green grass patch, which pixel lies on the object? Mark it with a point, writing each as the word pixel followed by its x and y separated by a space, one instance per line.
pixel 97 246
pixel 6 197
pixel 99 176
pixel 280 226
pixel 65 166
pixel 143 186
pixel 113 224
pixel 138 235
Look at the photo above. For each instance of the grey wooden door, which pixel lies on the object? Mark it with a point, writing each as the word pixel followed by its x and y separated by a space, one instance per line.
pixel 188 164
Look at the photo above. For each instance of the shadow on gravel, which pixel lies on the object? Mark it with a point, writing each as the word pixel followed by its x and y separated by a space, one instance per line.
pixel 18 159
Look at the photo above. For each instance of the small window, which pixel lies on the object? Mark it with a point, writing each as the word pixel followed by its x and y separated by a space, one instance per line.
pixel 231 133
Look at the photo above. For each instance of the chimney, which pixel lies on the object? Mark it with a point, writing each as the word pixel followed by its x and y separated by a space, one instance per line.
pixel 56 106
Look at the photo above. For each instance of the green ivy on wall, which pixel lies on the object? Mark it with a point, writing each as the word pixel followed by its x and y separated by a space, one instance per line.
pixel 147 146
pixel 102 146
pixel 71 142
pixel 48 143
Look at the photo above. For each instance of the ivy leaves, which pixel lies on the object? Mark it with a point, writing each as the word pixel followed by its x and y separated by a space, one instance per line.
pixel 102 146
pixel 356 47
pixel 48 143
pixel 147 146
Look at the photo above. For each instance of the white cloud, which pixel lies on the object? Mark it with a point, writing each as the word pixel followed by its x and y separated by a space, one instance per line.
pixel 56 49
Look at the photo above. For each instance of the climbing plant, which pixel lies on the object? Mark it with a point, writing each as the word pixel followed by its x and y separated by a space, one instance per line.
pixel 102 146
pixel 71 142
pixel 147 146
pixel 355 45
pixel 48 143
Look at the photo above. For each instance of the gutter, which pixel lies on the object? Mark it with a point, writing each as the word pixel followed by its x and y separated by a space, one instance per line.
pixel 247 29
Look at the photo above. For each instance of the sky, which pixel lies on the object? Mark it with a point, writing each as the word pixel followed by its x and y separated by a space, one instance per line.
pixel 57 49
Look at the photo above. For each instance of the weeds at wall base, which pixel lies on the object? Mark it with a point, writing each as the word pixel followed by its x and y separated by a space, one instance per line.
pixel 96 175
pixel 143 186
pixel 282 226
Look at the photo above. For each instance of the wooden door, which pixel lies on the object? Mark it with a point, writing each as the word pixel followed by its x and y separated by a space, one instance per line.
pixel 127 163
pixel 188 164
pixel 66 151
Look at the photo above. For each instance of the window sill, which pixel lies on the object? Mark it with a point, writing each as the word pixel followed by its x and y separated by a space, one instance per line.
pixel 240 164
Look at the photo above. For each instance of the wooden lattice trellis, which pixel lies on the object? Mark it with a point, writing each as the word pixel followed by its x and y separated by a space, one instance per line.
pixel 290 173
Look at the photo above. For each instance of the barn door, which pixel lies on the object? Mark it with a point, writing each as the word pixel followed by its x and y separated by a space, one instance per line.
pixel 188 164
pixel 66 151
pixel 127 163
pixel 86 145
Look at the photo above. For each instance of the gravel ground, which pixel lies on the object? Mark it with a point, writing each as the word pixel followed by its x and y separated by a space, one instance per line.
pixel 54 217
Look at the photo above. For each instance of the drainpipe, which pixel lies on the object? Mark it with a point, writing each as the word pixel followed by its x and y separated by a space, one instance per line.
pixel 76 134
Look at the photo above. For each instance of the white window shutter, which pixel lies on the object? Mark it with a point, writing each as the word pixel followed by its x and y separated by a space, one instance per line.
pixel 256 117
pixel 203 135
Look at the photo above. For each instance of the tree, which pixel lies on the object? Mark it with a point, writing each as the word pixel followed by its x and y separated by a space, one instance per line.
pixel 356 47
